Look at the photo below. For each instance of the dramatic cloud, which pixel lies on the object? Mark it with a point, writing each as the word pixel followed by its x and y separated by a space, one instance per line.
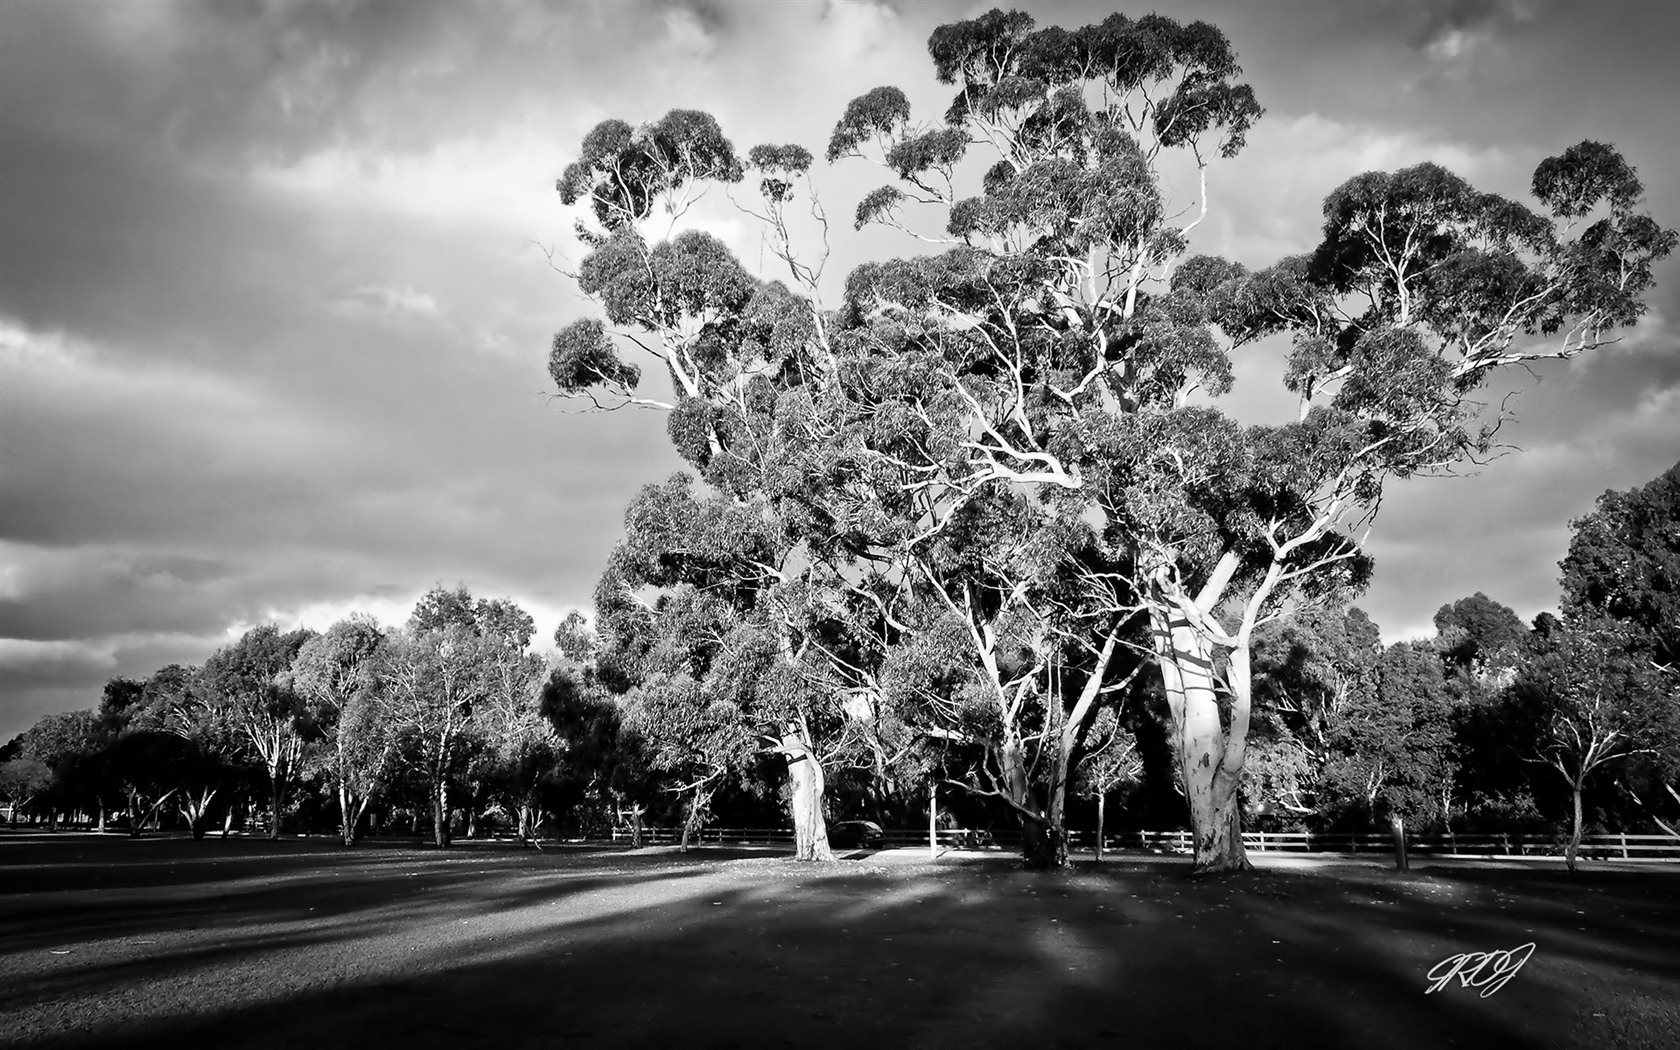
pixel 277 283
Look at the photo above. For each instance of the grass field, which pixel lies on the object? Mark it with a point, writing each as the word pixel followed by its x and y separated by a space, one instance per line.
pixel 110 942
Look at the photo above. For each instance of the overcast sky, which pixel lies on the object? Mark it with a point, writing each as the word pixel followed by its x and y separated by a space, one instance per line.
pixel 275 304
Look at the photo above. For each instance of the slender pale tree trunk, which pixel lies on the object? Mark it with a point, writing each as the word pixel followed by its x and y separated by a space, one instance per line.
pixel 933 820
pixel 1574 850
pixel 1101 800
pixel 276 788
pixel 810 830
pixel 696 807
pixel 1210 758
pixel 346 823
pixel 1061 767
pixel 440 811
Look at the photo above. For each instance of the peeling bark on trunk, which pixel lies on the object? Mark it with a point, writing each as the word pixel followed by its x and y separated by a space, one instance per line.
pixel 1043 845
pixel 691 824
pixel 1210 760
pixel 810 830
pixel 1037 845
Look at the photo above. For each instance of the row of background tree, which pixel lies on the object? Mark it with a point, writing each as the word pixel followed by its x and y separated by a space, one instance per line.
pixel 1492 725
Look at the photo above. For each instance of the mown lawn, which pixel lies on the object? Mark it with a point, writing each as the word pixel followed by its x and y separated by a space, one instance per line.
pixel 110 942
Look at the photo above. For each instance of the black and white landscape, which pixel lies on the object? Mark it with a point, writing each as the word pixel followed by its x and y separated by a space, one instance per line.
pixel 710 522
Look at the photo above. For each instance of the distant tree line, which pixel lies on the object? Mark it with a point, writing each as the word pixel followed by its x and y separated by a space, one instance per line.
pixel 438 723
pixel 451 724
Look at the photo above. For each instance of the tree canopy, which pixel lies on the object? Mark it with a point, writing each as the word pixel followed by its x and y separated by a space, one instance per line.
pixel 1008 451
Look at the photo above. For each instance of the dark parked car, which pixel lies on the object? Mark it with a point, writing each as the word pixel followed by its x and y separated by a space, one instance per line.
pixel 856 834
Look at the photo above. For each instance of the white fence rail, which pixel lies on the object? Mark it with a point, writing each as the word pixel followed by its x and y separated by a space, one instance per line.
pixel 1610 847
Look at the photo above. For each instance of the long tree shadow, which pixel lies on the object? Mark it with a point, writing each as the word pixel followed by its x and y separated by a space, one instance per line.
pixel 738 951
pixel 206 895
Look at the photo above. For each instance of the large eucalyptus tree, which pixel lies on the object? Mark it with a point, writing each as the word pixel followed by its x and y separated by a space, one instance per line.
pixel 1009 450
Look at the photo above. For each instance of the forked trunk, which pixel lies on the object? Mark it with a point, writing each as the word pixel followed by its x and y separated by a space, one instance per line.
pixel 696 813
pixel 1061 769
pixel 353 816
pixel 346 824
pixel 1043 843
pixel 197 810
pixel 810 830
pixel 1209 760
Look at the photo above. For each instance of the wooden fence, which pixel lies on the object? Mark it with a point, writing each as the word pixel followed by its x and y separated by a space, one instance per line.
pixel 1603 847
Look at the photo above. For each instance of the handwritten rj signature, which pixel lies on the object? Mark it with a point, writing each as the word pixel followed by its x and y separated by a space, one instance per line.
pixel 1485 970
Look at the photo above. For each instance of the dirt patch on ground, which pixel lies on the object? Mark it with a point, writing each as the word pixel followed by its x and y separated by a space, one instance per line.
pixel 108 942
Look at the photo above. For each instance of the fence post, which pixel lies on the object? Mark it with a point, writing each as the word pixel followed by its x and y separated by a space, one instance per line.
pixel 1624 846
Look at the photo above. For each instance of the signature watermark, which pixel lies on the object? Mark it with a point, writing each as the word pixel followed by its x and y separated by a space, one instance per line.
pixel 1485 970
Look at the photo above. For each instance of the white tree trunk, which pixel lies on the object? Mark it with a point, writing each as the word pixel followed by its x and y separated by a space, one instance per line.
pixel 810 830
pixel 1210 761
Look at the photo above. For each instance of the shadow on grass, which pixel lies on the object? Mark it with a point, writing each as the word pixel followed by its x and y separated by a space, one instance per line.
pixel 724 949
